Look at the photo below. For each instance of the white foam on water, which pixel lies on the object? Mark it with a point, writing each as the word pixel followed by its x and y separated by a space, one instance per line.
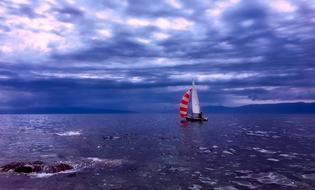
pixel 204 150
pixel 48 155
pixel 273 159
pixel 287 155
pixel 96 159
pixel 107 162
pixel 69 133
pixel 257 133
pixel 232 150
pixel 261 132
pixel 247 185
pixel 207 180
pixel 226 188
pixel 309 176
pixel 195 187
pixel 261 150
pixel 45 175
pixel 85 163
pixel 227 152
pixel 42 175
pixel 271 178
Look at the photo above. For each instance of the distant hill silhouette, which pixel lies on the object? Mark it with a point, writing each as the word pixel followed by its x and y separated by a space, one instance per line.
pixel 299 107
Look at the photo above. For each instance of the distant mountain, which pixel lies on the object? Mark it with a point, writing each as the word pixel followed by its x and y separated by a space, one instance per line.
pixel 298 107
pixel 61 110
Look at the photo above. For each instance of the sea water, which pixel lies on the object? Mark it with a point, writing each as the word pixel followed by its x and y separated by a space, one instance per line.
pixel 157 151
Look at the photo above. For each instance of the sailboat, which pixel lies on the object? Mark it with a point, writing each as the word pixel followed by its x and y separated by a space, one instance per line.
pixel 191 94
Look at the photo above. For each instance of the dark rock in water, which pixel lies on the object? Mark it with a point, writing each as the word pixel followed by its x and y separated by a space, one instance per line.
pixel 24 169
pixel 10 166
pixel 35 167
pixel 61 167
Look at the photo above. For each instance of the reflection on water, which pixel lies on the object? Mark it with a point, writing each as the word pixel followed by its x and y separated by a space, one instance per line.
pixel 130 151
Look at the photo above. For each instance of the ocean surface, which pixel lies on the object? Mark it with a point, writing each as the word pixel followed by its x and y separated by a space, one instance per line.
pixel 156 151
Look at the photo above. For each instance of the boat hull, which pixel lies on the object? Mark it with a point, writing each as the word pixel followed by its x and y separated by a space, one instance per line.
pixel 193 119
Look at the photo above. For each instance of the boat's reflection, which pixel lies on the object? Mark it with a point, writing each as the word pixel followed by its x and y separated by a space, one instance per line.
pixel 190 139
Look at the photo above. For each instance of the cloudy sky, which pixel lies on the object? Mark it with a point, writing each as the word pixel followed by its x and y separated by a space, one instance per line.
pixel 142 54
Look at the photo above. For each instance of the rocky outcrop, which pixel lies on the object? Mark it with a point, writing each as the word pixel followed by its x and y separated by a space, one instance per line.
pixel 35 167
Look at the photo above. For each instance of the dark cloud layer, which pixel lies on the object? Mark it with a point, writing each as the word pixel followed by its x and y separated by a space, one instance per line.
pixel 142 55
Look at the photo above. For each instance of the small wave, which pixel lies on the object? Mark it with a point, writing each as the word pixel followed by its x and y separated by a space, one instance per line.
pixel 195 187
pixel 246 184
pixel 107 162
pixel 261 150
pixel 78 165
pixel 273 159
pixel 257 133
pixel 290 155
pixel 309 176
pixel 271 178
pixel 226 188
pixel 42 175
pixel 45 175
pixel 49 155
pixel 96 159
pixel 227 152
pixel 69 133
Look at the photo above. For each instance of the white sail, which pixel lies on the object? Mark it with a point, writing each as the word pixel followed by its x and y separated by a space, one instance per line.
pixel 194 100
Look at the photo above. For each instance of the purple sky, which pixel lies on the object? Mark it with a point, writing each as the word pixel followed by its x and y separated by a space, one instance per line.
pixel 141 54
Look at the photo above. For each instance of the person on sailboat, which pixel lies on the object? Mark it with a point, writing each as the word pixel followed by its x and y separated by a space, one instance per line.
pixel 200 115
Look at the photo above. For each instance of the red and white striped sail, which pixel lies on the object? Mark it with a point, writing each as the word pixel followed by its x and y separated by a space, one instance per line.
pixel 183 106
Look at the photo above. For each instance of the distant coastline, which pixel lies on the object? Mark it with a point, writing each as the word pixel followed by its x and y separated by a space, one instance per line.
pixel 298 107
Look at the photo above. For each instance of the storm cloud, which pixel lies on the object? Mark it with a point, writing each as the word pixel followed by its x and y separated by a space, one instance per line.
pixel 142 55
